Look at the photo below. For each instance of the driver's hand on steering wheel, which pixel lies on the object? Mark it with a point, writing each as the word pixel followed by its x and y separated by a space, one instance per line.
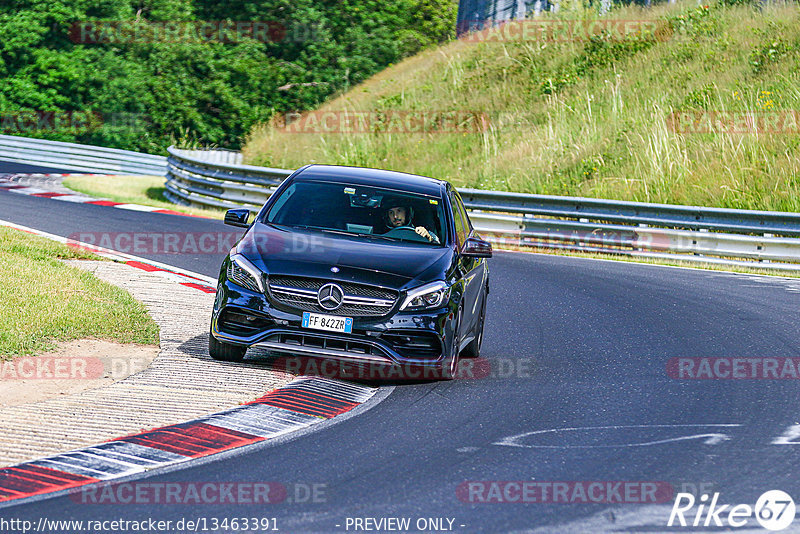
pixel 423 232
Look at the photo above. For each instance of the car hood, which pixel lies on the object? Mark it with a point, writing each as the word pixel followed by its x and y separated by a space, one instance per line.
pixel 298 252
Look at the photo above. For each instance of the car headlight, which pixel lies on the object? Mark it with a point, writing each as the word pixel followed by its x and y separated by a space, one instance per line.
pixel 428 296
pixel 243 273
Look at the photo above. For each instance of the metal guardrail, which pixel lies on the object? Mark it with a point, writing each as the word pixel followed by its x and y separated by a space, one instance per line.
pixel 219 155
pixel 76 157
pixel 201 178
pixel 689 233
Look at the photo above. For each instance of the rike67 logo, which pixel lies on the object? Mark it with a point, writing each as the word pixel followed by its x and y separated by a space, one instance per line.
pixel 774 510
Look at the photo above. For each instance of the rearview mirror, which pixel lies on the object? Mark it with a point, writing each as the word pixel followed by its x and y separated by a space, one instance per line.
pixel 476 248
pixel 237 217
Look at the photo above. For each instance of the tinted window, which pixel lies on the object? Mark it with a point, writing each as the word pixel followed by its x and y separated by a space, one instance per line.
pixel 358 210
pixel 463 210
pixel 458 217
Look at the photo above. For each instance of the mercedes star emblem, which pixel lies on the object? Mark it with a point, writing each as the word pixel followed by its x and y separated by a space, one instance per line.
pixel 330 296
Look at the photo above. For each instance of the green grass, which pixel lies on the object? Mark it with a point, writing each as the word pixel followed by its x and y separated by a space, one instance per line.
pixel 589 118
pixel 45 301
pixel 144 190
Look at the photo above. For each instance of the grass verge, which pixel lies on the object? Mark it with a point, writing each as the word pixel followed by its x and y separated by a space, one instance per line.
pixel 144 190
pixel 45 301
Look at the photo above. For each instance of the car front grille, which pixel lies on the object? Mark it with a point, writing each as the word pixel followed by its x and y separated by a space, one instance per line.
pixel 300 293
pixel 319 344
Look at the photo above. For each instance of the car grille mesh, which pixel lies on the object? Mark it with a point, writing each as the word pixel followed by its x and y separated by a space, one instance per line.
pixel 357 290
pixel 305 298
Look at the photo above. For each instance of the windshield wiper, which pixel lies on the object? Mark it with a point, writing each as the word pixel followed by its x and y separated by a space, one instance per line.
pixel 356 234
pixel 306 227
pixel 385 238
pixel 345 232
pixel 303 226
pixel 342 232
pixel 322 229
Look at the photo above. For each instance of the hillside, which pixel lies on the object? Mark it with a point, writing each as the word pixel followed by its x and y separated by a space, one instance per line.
pixel 653 116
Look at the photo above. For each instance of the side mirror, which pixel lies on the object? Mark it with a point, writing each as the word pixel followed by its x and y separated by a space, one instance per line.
pixel 476 248
pixel 237 217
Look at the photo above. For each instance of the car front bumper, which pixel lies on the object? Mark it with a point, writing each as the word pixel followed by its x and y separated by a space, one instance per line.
pixel 247 318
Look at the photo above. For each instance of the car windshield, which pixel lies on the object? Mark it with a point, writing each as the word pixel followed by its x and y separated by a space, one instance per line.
pixel 368 212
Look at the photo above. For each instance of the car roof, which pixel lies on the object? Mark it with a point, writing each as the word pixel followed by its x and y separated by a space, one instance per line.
pixel 373 177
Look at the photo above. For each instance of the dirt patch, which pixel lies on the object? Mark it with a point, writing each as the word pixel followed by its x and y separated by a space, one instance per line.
pixel 73 367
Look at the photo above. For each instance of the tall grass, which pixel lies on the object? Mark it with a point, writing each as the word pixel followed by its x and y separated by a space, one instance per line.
pixel 589 118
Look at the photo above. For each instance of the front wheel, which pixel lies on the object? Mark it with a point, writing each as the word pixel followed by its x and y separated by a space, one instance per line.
pixel 449 371
pixel 225 351
pixel 473 350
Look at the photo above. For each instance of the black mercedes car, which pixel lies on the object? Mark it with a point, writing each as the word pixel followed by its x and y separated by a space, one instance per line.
pixel 365 266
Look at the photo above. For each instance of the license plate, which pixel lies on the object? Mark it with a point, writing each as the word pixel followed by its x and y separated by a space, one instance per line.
pixel 331 323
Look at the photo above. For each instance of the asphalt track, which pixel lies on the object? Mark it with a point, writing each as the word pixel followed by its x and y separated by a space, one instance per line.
pixel 574 344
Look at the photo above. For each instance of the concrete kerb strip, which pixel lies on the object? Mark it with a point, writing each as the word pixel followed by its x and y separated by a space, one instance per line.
pixel 179 389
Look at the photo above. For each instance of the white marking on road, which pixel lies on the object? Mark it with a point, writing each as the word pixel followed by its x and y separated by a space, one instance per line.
pixel 137 207
pixel 788 437
pixel 75 198
pixel 713 438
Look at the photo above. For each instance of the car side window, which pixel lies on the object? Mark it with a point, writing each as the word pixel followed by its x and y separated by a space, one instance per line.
pixel 464 216
pixel 458 217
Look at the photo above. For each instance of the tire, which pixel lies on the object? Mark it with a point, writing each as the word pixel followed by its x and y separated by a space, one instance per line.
pixel 449 371
pixel 225 351
pixel 473 350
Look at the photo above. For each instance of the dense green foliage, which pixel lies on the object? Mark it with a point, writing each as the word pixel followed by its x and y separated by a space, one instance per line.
pixel 145 93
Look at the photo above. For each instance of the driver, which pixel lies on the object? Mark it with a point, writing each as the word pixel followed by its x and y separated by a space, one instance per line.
pixel 400 217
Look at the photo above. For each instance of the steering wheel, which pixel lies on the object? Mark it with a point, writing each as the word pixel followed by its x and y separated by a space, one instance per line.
pixel 405 232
